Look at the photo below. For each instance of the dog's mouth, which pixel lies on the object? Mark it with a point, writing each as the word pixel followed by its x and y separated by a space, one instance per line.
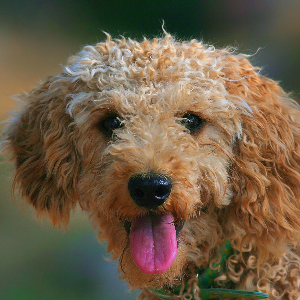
pixel 154 239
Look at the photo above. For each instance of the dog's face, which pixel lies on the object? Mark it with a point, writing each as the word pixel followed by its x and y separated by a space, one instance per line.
pixel 164 144
pixel 156 149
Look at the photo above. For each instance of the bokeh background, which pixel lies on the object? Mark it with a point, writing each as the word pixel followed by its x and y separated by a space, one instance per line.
pixel 36 37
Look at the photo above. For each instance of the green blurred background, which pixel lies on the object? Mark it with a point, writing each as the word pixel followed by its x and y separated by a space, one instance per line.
pixel 36 37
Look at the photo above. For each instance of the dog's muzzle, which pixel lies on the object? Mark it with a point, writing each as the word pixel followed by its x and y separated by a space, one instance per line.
pixel 149 190
pixel 153 235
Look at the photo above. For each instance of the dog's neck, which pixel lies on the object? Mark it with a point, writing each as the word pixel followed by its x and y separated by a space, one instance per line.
pixel 206 282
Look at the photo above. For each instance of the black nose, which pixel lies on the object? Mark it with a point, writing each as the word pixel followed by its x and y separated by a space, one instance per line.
pixel 149 190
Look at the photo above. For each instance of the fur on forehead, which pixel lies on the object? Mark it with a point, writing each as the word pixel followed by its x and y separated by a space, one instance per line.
pixel 129 63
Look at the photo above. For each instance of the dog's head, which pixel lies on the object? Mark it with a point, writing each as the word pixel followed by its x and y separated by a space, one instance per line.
pixel 172 147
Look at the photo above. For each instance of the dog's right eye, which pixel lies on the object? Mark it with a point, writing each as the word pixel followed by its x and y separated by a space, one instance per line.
pixel 109 124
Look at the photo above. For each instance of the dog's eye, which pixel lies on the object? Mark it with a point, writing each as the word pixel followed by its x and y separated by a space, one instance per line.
pixel 192 122
pixel 109 124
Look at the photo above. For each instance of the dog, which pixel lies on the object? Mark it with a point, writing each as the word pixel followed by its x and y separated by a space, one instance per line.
pixel 186 158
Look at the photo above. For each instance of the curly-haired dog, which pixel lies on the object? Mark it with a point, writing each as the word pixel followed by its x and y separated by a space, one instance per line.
pixel 175 149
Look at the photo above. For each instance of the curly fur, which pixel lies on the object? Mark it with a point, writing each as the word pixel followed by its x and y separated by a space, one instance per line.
pixel 237 179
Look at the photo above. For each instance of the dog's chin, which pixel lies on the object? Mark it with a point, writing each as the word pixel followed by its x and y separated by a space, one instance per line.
pixel 154 242
pixel 137 279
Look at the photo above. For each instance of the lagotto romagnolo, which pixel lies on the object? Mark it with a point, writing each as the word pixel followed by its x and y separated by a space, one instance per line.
pixel 174 149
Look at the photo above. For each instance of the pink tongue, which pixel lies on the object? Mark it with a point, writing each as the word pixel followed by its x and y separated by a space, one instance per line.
pixel 153 243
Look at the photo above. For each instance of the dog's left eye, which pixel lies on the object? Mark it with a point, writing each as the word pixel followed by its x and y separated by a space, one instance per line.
pixel 192 122
pixel 109 124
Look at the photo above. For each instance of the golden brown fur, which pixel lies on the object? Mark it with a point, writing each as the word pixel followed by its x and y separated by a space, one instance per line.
pixel 238 178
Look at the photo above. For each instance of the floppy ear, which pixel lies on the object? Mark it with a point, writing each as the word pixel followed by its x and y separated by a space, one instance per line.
pixel 266 175
pixel 40 141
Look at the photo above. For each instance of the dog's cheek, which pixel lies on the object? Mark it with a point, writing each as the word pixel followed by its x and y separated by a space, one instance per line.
pixel 111 231
pixel 214 182
pixel 214 156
